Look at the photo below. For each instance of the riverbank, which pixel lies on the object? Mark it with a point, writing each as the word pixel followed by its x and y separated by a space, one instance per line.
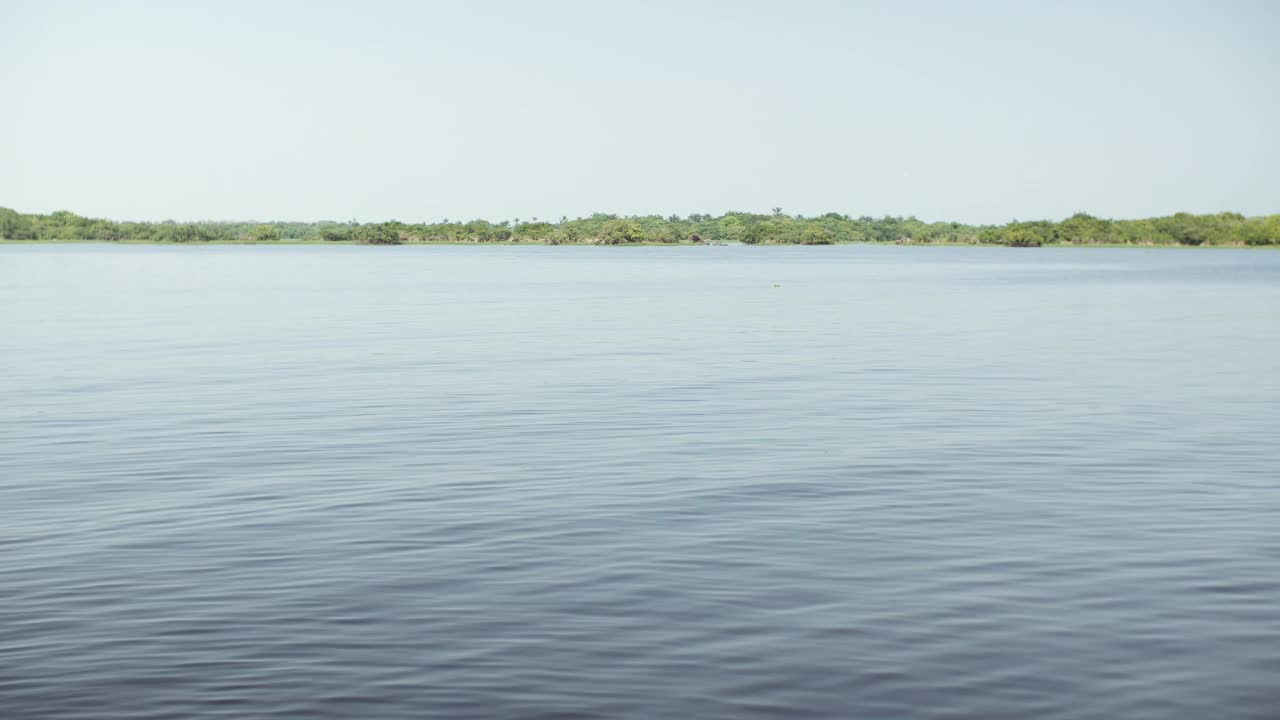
pixel 776 228
pixel 509 243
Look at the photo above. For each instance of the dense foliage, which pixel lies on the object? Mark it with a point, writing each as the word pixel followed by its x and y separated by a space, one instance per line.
pixel 601 229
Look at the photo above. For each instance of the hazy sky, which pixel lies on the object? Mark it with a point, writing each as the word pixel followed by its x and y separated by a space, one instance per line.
pixel 416 111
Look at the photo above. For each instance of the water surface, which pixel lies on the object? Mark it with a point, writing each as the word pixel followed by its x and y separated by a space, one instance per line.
pixel 456 482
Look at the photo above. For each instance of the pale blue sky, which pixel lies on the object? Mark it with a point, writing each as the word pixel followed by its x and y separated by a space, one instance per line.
pixel 417 111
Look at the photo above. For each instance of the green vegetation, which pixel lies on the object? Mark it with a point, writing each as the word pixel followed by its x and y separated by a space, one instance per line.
pixel 1226 229
pixel 1021 237
pixel 264 233
pixel 376 234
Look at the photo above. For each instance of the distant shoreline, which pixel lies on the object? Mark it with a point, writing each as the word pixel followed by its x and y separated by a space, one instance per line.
pixel 508 243
pixel 1224 229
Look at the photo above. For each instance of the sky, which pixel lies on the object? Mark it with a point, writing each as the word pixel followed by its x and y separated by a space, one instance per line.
pixel 973 111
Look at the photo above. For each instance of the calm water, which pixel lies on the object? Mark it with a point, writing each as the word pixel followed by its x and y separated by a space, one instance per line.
pixel 523 482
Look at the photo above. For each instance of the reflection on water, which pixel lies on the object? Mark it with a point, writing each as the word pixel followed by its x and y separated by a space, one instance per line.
pixel 639 482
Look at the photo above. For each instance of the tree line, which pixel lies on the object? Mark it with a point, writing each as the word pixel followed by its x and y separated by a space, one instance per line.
pixel 776 227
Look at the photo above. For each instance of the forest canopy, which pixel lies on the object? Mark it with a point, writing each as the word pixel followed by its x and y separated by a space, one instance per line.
pixel 733 227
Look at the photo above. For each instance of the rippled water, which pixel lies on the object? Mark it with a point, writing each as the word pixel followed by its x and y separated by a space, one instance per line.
pixel 344 482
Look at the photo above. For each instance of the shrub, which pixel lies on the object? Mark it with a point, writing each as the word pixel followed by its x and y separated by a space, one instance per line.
pixel 376 234
pixel 264 233
pixel 1021 237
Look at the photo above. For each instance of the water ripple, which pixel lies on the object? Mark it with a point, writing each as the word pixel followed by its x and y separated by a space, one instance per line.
pixel 947 483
